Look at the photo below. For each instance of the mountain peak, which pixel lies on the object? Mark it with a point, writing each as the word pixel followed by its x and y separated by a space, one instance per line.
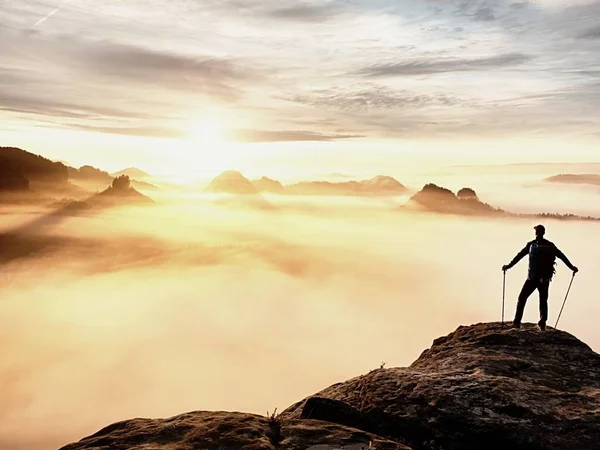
pixel 231 181
pixel 132 172
pixel 481 386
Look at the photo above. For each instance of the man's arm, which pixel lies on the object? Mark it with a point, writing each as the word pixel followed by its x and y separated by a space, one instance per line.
pixel 560 255
pixel 519 257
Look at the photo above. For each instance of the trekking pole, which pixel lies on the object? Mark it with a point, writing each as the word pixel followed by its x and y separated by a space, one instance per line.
pixel 563 305
pixel 503 295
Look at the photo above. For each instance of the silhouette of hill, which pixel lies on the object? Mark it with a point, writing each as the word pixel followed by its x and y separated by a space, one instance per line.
pixel 466 194
pixel 100 178
pixel 133 173
pixel 121 192
pixel 89 173
pixel 143 185
pixel 438 199
pixel 265 184
pixel 14 182
pixel 480 387
pixel 232 182
pixel 591 178
pixel 16 164
pixel 26 178
pixel 377 186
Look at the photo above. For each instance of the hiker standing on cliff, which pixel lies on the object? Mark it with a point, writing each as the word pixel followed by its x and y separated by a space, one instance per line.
pixel 542 256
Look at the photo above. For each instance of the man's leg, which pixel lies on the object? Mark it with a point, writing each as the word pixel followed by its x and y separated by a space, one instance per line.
pixel 528 287
pixel 543 289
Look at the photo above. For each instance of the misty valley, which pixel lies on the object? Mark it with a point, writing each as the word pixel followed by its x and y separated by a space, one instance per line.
pixel 114 285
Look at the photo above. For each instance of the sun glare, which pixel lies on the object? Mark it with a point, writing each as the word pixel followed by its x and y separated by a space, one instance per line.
pixel 207 132
pixel 206 148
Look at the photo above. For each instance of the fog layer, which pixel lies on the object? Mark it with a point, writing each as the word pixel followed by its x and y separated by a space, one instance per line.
pixel 208 304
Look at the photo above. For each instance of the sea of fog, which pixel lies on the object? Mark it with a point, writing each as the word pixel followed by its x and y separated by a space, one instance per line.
pixel 211 303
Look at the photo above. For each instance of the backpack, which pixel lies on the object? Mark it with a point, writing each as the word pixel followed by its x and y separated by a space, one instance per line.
pixel 542 260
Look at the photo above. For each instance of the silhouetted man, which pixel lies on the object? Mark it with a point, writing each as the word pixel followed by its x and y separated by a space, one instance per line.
pixel 542 256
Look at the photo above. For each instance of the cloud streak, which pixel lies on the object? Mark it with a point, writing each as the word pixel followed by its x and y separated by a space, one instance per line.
pixel 437 66
pixel 287 136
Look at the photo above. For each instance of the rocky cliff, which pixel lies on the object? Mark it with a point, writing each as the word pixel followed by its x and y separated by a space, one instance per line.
pixel 480 387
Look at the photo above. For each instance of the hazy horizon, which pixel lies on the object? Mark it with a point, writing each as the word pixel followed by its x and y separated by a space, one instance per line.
pixel 198 301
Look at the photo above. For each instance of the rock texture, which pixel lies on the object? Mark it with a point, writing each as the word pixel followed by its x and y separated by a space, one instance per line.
pixel 230 431
pixel 481 387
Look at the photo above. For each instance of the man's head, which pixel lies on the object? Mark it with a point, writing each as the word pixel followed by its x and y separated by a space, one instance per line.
pixel 540 231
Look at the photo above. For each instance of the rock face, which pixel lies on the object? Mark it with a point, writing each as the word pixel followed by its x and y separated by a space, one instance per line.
pixel 480 387
pixel 230 431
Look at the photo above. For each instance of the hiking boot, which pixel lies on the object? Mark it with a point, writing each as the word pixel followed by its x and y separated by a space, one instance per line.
pixel 541 327
pixel 515 325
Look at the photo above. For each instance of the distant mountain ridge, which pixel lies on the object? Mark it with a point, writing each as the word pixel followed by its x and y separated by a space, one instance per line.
pixel 18 164
pixel 132 172
pixel 584 178
pixel 38 179
pixel 438 199
pixel 92 174
pixel 121 192
pixel 234 182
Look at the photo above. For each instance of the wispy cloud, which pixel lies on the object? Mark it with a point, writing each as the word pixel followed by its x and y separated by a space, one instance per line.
pixel 373 98
pixel 435 66
pixel 591 34
pixel 286 136
pixel 368 68
pixel 308 12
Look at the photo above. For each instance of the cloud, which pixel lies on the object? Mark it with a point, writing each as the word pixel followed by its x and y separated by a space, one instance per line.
pixel 373 98
pixel 47 105
pixel 591 34
pixel 148 131
pixel 287 136
pixel 307 12
pixel 433 66
pixel 169 69
pixel 109 68
pixel 485 14
pixel 103 61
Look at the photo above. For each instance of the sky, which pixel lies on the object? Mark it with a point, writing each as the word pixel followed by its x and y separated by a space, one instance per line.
pixel 242 84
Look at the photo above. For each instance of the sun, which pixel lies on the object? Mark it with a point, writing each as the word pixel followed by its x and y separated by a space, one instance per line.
pixel 207 132
pixel 205 148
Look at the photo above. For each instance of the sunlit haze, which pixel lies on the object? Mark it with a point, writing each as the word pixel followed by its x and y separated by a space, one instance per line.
pixel 170 276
